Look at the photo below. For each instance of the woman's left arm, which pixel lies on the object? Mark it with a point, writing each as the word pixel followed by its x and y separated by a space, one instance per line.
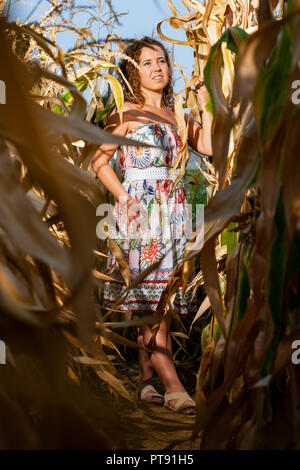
pixel 200 136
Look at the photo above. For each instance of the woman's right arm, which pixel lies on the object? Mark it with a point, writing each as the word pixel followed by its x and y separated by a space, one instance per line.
pixel 105 173
pixel 100 161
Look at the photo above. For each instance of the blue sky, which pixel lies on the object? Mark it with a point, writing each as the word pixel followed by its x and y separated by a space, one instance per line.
pixel 140 18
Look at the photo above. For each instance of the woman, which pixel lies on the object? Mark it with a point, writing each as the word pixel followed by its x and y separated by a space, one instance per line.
pixel 148 117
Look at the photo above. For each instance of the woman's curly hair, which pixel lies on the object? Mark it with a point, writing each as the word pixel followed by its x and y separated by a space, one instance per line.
pixel 130 72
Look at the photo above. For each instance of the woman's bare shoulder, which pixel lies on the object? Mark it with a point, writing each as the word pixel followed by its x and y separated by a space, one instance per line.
pixel 115 123
pixel 128 105
pixel 130 111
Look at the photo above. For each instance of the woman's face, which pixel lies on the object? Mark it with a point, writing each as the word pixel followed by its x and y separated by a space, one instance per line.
pixel 154 74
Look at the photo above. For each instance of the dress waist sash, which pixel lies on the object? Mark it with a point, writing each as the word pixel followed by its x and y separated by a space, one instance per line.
pixel 158 173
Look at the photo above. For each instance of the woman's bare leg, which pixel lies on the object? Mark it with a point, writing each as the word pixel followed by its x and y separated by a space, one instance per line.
pixel 162 360
pixel 146 368
pixel 145 365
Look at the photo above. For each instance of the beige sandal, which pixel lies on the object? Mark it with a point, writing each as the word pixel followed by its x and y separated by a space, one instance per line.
pixel 181 397
pixel 146 389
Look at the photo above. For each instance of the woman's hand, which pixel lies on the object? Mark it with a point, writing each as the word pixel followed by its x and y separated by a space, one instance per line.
pixel 202 93
pixel 200 135
pixel 132 213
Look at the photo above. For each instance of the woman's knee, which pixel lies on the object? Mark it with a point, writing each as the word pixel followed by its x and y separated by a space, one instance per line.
pixel 161 335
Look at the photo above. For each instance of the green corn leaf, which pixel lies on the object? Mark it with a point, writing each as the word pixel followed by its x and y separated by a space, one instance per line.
pixel 244 283
pixel 205 337
pixel 273 86
pixel 233 38
pixel 117 92
pixel 294 267
pixel 102 114
pixel 217 331
pixel 229 237
pixel 67 96
pixel 277 264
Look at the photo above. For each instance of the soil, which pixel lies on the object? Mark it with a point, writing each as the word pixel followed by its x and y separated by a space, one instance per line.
pixel 146 426
pixel 152 427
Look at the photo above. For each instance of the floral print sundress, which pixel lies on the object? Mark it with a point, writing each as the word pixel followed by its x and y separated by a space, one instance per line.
pixel 167 216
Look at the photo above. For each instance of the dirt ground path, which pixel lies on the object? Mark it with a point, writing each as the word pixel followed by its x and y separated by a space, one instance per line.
pixel 144 426
pixel 155 428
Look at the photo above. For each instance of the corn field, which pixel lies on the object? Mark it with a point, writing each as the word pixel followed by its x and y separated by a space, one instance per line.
pixel 70 364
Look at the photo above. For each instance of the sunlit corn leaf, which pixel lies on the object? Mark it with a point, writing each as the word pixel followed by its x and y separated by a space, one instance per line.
pixel 117 92
pixel 203 307
pixel 183 132
pixel 22 222
pixel 113 382
pixel 105 277
pixel 123 266
pixel 211 281
pixel 220 107
pixel 229 237
pixel 95 66
pixel 76 128
pixel 118 339
pixel 251 59
pixel 272 87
